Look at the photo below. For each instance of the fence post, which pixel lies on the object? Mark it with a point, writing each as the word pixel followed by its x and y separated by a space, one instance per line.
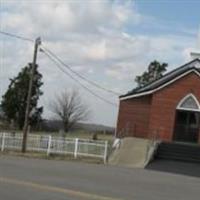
pixel 49 145
pixel 105 152
pixel 3 142
pixel 76 148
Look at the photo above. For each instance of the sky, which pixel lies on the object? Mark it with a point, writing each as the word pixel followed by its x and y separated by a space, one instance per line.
pixel 107 41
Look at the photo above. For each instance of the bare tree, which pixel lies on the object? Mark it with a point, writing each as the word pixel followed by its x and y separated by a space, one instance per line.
pixel 69 108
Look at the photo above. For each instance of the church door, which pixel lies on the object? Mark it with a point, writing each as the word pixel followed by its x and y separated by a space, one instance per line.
pixel 187 122
pixel 187 126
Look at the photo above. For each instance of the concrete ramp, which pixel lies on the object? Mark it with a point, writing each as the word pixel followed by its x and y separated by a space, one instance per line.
pixel 133 152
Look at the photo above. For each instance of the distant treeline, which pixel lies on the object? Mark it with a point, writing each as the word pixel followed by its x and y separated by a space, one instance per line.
pixel 56 126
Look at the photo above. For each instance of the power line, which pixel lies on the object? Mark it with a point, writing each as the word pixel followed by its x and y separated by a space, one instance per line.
pixel 68 74
pixel 64 64
pixel 79 75
pixel 56 59
pixel 16 36
pixel 76 80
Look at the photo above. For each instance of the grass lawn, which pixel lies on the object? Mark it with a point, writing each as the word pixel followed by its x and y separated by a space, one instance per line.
pixel 87 135
pixel 40 155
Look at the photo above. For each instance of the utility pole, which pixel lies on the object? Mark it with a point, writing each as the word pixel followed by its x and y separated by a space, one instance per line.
pixel 27 113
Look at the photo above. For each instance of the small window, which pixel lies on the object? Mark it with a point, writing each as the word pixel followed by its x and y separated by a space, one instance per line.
pixel 188 103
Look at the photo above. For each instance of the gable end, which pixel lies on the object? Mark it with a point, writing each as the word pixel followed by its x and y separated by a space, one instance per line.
pixel 192 70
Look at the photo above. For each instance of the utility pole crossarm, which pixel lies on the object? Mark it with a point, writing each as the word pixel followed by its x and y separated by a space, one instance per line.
pixel 33 68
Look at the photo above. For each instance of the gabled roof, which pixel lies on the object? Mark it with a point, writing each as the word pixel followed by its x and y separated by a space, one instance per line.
pixel 192 66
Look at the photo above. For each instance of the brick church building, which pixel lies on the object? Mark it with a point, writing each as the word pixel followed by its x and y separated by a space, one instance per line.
pixel 168 108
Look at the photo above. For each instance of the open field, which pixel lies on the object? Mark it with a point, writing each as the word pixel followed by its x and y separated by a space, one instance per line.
pixel 76 134
pixel 47 179
pixel 87 135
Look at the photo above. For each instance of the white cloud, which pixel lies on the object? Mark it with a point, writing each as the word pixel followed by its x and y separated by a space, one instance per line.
pixel 92 37
pixel 60 17
pixel 96 51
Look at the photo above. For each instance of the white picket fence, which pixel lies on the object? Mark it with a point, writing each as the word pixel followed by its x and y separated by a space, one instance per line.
pixel 56 145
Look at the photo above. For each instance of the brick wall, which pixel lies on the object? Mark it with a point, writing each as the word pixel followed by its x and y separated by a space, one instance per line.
pixel 133 118
pixel 152 115
pixel 165 101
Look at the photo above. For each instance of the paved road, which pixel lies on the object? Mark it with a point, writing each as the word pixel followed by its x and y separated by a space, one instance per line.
pixel 23 178
pixel 184 168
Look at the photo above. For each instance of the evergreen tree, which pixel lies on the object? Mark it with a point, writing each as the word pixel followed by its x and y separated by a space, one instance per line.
pixel 14 101
pixel 155 71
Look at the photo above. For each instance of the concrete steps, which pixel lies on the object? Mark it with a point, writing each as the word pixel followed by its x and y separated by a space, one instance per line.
pixel 179 151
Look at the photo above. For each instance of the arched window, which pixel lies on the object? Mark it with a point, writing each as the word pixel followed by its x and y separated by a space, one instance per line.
pixel 189 102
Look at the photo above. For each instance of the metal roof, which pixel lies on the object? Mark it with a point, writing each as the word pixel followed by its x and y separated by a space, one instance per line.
pixel 194 64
